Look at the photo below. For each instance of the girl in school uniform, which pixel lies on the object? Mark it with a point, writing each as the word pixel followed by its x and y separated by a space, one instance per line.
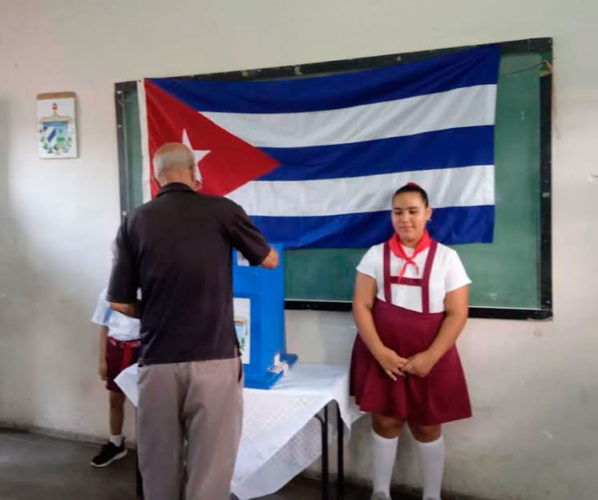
pixel 410 305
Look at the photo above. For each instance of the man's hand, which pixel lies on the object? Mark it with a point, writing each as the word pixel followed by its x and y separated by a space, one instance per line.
pixel 271 260
pixel 103 371
pixel 421 364
pixel 391 362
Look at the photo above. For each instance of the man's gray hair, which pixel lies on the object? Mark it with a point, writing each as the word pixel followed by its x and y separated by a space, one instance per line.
pixel 172 156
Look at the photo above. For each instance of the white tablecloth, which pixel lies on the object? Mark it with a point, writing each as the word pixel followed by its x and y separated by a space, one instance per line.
pixel 280 436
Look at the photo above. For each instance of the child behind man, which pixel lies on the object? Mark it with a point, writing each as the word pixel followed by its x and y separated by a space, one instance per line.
pixel 119 346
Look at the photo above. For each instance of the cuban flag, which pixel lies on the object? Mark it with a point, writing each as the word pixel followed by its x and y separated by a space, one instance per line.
pixel 314 161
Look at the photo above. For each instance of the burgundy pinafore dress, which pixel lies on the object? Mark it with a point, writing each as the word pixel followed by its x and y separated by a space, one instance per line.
pixel 439 397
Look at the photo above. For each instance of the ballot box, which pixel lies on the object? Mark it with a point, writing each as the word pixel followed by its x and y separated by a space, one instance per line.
pixel 259 321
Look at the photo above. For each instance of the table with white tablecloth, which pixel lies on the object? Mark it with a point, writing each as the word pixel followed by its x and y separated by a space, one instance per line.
pixel 280 435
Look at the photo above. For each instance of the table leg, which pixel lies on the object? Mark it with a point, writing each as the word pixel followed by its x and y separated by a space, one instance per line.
pixel 340 479
pixel 324 422
pixel 139 480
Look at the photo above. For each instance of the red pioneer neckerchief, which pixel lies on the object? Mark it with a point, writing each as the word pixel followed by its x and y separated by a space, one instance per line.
pixel 396 248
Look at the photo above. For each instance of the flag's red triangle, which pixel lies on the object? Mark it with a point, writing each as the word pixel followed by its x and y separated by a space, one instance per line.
pixel 231 162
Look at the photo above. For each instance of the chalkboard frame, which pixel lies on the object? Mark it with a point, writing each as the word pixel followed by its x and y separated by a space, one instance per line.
pixel 540 45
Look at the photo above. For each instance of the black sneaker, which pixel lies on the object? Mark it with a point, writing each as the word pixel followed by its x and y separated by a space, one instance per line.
pixel 108 454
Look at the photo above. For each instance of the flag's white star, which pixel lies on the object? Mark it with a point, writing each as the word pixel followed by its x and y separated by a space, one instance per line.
pixel 198 154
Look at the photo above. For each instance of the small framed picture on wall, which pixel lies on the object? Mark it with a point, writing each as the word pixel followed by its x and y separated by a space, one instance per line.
pixel 57 125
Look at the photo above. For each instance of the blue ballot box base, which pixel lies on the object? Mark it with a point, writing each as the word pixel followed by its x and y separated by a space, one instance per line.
pixel 267 379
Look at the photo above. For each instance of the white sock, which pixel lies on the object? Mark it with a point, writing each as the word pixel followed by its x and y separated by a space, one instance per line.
pixel 116 439
pixel 384 451
pixel 431 459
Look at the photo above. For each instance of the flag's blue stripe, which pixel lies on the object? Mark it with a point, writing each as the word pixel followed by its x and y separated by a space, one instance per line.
pixel 451 225
pixel 449 148
pixel 438 74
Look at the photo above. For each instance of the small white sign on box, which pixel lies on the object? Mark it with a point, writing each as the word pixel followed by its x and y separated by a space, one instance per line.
pixel 242 313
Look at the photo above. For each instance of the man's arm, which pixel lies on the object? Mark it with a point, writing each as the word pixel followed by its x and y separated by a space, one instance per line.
pixel 122 288
pixel 248 239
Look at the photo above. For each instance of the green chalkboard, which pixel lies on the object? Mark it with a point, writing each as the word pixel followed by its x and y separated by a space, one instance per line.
pixel 129 145
pixel 505 273
pixel 511 274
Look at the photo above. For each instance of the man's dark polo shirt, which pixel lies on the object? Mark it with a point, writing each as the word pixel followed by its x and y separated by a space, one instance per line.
pixel 177 249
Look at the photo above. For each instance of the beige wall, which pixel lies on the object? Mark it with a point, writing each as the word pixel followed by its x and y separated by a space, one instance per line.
pixel 534 384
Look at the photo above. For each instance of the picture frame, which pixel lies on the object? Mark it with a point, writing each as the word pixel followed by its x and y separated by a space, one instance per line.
pixel 57 125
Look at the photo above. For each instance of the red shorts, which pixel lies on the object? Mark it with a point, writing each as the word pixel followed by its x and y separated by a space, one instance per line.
pixel 119 355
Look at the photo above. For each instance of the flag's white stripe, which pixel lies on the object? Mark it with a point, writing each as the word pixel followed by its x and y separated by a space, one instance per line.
pixel 145 173
pixel 463 107
pixel 464 186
